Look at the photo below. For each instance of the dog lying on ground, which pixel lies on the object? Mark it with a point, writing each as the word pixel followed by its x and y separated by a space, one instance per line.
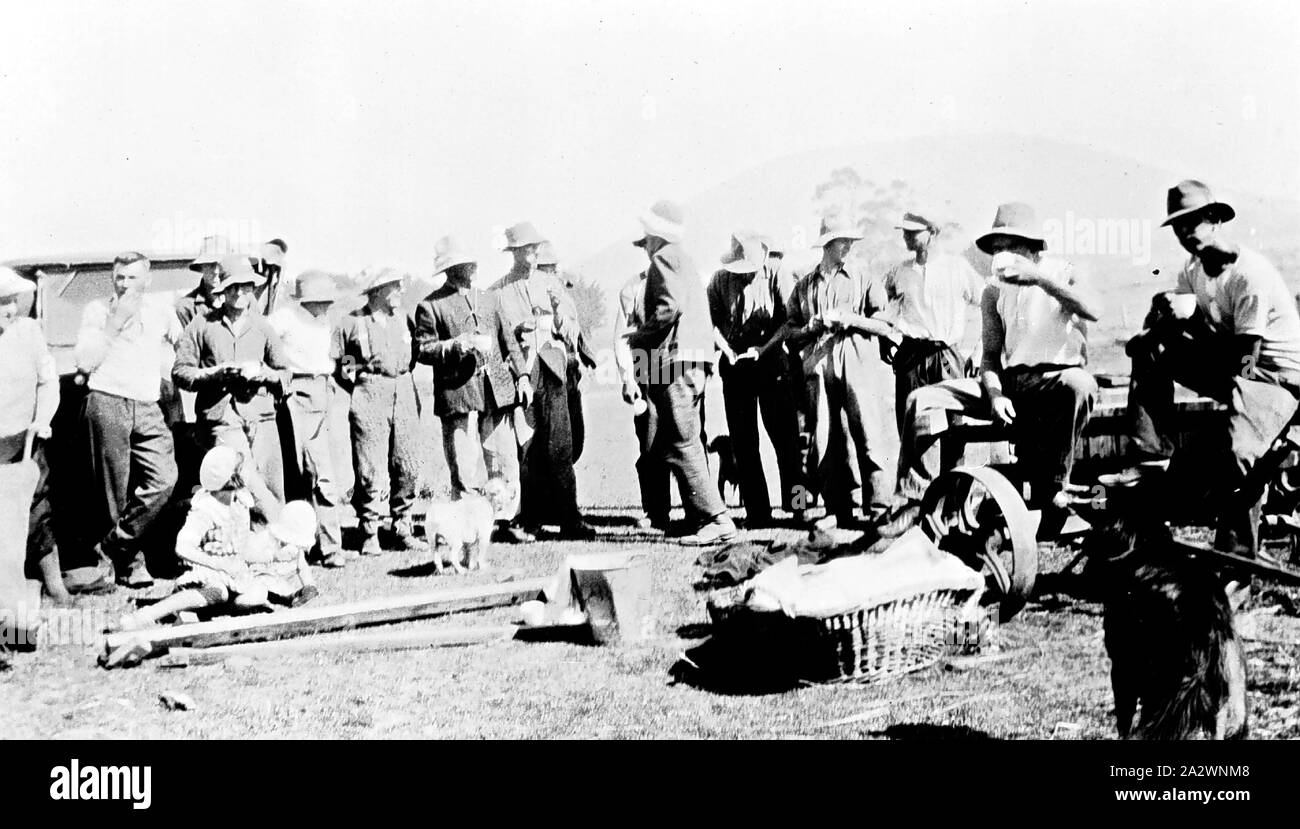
pixel 1170 637
pixel 459 532
pixel 728 471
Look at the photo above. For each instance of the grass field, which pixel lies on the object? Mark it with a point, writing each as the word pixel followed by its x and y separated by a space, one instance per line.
pixel 515 689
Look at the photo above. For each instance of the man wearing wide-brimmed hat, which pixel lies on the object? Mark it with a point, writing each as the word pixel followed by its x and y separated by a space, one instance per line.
pixel 479 378
pixel 269 264
pixel 1033 378
pixel 235 364
pixel 538 310
pixel 306 332
pixel 207 264
pixel 374 351
pixel 831 320
pixel 1230 331
pixel 931 296
pixel 673 355
pixel 27 405
pixel 121 346
pixel 747 303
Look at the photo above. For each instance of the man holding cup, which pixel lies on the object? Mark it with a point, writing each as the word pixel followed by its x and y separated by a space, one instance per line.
pixel 1033 377
pixel 479 378
pixel 1230 330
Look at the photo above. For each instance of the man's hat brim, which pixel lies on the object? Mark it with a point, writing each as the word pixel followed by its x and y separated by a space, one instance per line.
pixel 1013 232
pixel 1222 209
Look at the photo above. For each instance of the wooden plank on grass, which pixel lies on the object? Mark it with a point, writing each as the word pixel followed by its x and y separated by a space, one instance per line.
pixel 357 641
pixel 305 621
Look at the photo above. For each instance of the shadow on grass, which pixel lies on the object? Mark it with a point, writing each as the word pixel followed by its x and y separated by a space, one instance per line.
pixel 928 731
pixel 726 667
pixel 695 630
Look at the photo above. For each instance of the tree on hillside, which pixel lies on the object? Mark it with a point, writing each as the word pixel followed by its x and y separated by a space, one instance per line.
pixel 590 299
pixel 877 208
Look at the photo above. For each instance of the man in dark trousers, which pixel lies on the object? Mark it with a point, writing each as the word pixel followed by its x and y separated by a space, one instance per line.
pixel 747 300
pixel 374 350
pixel 673 355
pixel 479 379
pixel 537 309
pixel 121 346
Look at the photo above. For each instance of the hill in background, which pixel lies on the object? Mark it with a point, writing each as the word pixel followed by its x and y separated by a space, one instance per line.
pixel 1101 210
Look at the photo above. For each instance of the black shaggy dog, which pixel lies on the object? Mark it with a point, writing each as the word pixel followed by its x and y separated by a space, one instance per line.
pixel 1170 637
pixel 728 471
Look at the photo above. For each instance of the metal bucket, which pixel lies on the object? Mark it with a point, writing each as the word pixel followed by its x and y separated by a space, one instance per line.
pixel 614 591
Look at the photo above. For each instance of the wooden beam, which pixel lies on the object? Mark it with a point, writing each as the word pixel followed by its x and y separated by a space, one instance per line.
pixel 350 642
pixel 305 621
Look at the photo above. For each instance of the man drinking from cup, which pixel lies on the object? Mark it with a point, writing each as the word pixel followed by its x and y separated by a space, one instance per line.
pixel 1229 331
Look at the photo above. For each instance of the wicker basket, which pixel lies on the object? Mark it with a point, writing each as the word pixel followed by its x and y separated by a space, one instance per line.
pixel 868 645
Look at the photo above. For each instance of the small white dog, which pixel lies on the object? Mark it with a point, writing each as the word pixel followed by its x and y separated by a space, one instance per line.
pixel 460 532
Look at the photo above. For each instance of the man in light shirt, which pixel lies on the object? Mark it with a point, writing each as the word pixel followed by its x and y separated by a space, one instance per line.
pixel 931 296
pixel 305 331
pixel 1237 342
pixel 121 346
pixel 653 475
pixel 1033 378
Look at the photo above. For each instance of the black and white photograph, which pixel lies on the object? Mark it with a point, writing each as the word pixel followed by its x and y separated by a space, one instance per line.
pixel 727 371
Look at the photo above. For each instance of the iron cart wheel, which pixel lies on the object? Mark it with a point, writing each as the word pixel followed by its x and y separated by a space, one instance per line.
pixel 975 513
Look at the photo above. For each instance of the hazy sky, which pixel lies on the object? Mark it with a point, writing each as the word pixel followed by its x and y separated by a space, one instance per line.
pixel 360 132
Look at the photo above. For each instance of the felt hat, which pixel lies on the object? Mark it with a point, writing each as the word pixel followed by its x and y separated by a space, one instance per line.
pixel 1190 196
pixel 522 235
pixel 664 220
pixel 915 222
pixel 748 254
pixel 546 254
pixel 370 280
pixel 238 270
pixel 315 286
pixel 837 227
pixel 1014 219
pixel 447 253
pixel 211 251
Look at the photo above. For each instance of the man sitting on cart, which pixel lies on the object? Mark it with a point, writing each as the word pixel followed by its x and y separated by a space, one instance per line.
pixel 1229 331
pixel 1033 378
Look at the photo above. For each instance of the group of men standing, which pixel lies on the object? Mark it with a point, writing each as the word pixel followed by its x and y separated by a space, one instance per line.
pixel 811 351
pixel 281 381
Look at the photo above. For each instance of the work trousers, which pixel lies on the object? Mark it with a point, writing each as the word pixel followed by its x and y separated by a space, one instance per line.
pixel 748 388
pixel 385 431
pixel 920 363
pixel 549 485
pixel 482 445
pixel 1052 403
pixel 1208 471
pixel 133 465
pixel 309 456
pixel 673 435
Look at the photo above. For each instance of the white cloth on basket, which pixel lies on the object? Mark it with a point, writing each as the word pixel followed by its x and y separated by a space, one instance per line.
pixel 912 566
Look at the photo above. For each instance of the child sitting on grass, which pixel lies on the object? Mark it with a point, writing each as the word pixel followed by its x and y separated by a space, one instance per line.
pixel 214 541
pixel 277 556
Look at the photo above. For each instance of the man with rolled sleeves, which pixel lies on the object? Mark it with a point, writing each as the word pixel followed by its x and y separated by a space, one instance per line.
pixel 653 475
pixel 479 378
pixel 374 352
pixel 831 320
pixel 306 333
pixel 747 302
pixel 121 347
pixel 234 362
pixel 673 355
pixel 537 309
